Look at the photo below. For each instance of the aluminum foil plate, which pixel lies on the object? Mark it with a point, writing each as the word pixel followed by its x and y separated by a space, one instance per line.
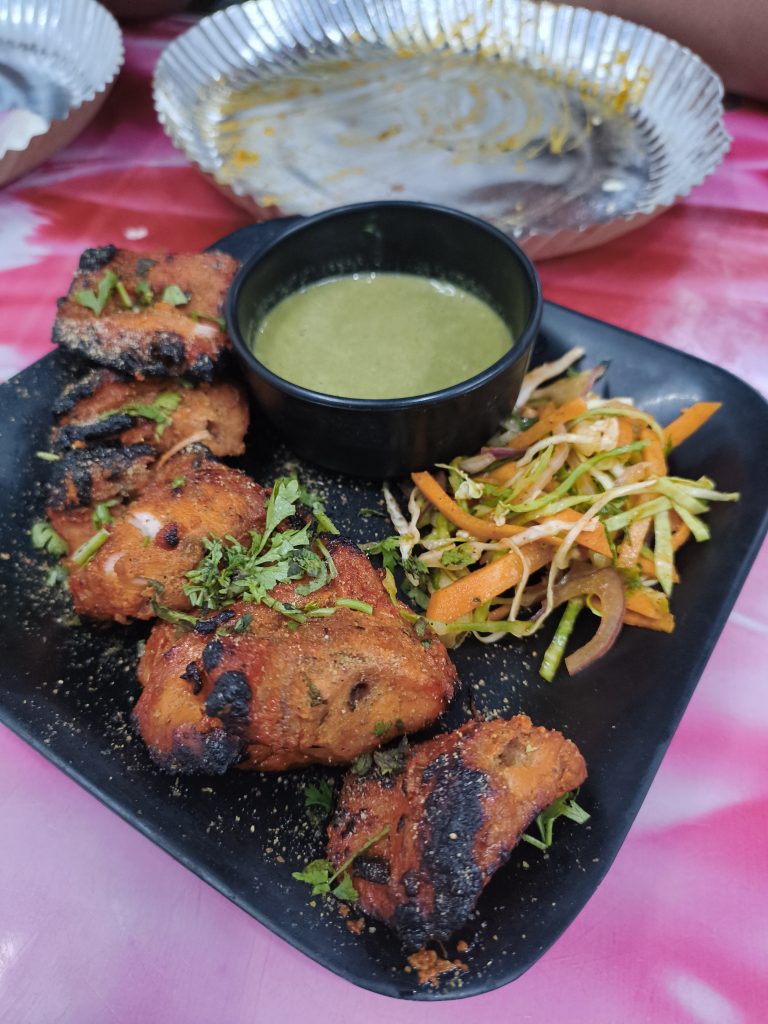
pixel 58 60
pixel 562 126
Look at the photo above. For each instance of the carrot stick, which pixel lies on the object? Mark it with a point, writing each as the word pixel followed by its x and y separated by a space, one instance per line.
pixel 595 540
pixel 680 536
pixel 689 421
pixel 469 592
pixel 664 624
pixel 650 604
pixel 653 453
pixel 626 431
pixel 479 528
pixel 549 422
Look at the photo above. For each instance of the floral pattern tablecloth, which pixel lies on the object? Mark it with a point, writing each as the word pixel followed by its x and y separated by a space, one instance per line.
pixel 98 925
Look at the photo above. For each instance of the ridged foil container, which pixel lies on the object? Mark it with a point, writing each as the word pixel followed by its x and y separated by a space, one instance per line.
pixel 58 59
pixel 564 127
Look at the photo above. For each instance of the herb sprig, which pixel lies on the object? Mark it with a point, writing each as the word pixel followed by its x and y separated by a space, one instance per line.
pixel 321 876
pixel 160 410
pixel 231 571
pixel 564 807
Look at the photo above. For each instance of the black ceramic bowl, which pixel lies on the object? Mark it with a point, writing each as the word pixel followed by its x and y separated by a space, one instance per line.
pixel 390 437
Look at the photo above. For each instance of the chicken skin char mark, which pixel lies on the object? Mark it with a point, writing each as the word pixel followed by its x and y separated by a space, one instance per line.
pixel 156 339
pixel 159 537
pixel 455 812
pixel 218 410
pixel 110 458
pixel 278 695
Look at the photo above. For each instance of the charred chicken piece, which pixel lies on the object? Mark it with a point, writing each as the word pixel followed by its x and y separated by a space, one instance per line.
pixel 455 812
pixel 159 537
pixel 84 478
pixel 107 448
pixel 278 695
pixel 152 338
pixel 108 407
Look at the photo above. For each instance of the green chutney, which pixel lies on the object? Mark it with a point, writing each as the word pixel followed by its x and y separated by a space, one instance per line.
pixel 379 335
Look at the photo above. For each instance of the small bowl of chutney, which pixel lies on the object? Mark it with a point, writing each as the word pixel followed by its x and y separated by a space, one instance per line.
pixel 382 337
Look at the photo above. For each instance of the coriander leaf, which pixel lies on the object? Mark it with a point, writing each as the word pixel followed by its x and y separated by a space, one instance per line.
pixel 345 890
pixel 218 320
pixel 392 761
pixel 316 874
pixel 380 728
pixel 362 764
pixel 96 301
pixel 144 292
pixel 242 624
pixel 181 619
pixel 174 296
pixel 368 513
pixel 45 538
pixel 178 482
pixel 87 550
pixel 565 807
pixel 319 796
pixel 461 555
pixel 57 576
pixel 160 410
pixel 311 501
pixel 123 295
pixel 101 515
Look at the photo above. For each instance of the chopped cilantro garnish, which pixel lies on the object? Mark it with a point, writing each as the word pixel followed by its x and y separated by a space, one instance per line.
pixel 380 728
pixel 96 301
pixel 232 571
pixel 218 320
pixel 414 568
pixel 321 876
pixel 101 515
pixel 178 482
pixel 122 292
pixel 461 555
pixel 320 796
pixel 144 292
pixel 564 807
pixel 87 550
pixel 45 538
pixel 174 296
pixel 160 410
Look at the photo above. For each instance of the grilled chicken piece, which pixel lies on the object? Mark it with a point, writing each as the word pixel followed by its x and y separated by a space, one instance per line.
pixel 277 695
pixel 156 339
pixel 108 458
pixel 85 477
pixel 107 408
pixel 455 812
pixel 159 537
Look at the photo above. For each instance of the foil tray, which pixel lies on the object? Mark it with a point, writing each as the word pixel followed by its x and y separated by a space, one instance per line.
pixel 564 127
pixel 58 60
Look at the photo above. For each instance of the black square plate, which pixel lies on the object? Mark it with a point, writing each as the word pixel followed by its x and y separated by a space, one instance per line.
pixel 69 691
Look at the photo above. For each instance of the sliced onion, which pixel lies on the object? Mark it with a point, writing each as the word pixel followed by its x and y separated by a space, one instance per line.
pixel 608 586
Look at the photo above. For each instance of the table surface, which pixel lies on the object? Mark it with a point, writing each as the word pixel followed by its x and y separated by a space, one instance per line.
pixel 98 925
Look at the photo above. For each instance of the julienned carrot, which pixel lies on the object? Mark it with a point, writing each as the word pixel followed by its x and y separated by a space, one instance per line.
pixel 479 528
pixel 689 421
pixel 595 539
pixel 662 624
pixel 651 604
pixel 549 422
pixel 680 536
pixel 468 593
pixel 653 452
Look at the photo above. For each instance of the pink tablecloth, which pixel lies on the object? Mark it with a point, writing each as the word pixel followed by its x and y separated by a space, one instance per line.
pixel 97 925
